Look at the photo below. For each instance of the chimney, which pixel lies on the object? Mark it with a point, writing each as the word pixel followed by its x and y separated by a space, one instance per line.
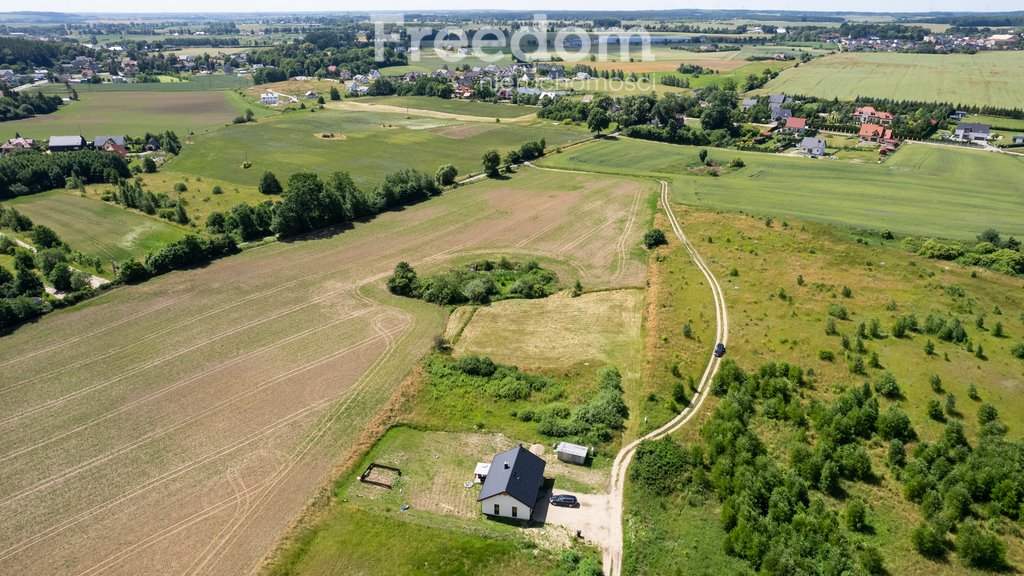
pixel 506 465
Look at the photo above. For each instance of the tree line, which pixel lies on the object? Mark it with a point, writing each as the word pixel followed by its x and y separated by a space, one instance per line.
pixel 29 172
pixel 18 105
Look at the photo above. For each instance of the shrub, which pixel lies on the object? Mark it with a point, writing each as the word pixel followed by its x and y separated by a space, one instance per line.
pixel 446 174
pixel 934 410
pixel 476 365
pixel 180 187
pixel 838 311
pixel 979 548
pixel 826 355
pixel 894 424
pixel 654 238
pixel 987 413
pixel 132 271
pixel 887 386
pixel 928 541
pixel 856 516
pixel 660 466
pixel 403 281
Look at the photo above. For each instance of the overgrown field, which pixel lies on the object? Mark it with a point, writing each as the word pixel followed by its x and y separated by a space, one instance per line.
pixel 133 113
pixel 198 83
pixel 368 145
pixel 785 285
pixel 96 228
pixel 922 189
pixel 183 423
pixel 453 106
pixel 982 79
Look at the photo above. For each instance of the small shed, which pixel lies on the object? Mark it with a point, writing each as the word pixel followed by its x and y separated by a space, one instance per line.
pixel 572 453
pixel 480 474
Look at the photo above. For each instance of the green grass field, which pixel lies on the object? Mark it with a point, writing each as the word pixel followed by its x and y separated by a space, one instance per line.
pixel 921 190
pixel 466 107
pixel 886 282
pixel 986 78
pixel 197 83
pixel 96 228
pixel 133 113
pixel 368 145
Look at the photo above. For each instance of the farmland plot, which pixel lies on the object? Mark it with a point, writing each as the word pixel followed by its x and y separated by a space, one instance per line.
pixel 177 427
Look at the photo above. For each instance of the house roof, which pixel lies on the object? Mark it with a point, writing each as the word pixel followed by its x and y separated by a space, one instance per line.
pixel 66 141
pixel 794 122
pixel 116 148
pixel 809 142
pixel 872 130
pixel 515 472
pixel 971 127
pixel 19 143
pixel 573 449
pixel 101 140
pixel 869 110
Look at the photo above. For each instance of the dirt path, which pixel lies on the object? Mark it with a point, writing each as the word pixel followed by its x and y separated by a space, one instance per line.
pixel 612 549
pixel 95 281
pixel 364 107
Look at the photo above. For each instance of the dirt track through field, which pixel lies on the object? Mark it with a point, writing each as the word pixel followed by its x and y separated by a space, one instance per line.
pixel 179 426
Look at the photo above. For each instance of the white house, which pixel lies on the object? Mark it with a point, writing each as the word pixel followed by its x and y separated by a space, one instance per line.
pixel 512 484
pixel 268 98
pixel 812 146
pixel 970 132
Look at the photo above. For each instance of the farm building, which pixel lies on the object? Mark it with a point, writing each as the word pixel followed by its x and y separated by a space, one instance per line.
pixel 812 146
pixel 268 98
pixel 970 132
pixel 17 144
pixel 66 143
pixel 572 453
pixel 512 484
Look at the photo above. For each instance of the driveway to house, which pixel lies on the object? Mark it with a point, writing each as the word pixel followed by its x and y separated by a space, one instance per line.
pixel 590 517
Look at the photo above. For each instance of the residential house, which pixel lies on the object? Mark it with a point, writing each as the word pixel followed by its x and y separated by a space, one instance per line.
pixel 812 146
pixel 360 79
pixel 513 484
pixel 748 103
pixel 269 98
pixel 865 114
pixel 118 80
pixel 152 145
pixel 958 115
pixel 582 76
pixel 18 143
pixel 101 141
pixel 355 88
pixel 111 146
pixel 970 132
pixel 874 133
pixel 572 453
pixel 311 95
pixel 66 143
pixel 777 100
pixel 7 75
pixel 795 125
pixel 463 91
pixel 1018 139
pixel 781 114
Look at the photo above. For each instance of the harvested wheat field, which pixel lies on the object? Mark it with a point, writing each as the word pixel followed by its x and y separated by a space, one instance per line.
pixel 180 426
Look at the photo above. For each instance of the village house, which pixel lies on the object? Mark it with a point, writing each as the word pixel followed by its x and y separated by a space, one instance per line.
pixel 512 484
pixel 874 133
pixel 970 132
pixel 866 114
pixel 781 114
pixel 18 143
pixel 65 143
pixel 100 142
pixel 748 103
pixel 812 146
pixel 119 149
pixel 794 125
pixel 152 145
pixel 269 98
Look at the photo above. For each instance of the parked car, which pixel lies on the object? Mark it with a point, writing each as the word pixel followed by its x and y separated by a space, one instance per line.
pixel 719 350
pixel 567 500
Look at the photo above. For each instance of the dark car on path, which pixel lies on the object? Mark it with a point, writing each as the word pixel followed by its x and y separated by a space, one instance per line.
pixel 719 350
pixel 567 500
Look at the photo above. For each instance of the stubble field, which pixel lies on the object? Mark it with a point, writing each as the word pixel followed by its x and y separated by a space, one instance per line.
pixel 178 427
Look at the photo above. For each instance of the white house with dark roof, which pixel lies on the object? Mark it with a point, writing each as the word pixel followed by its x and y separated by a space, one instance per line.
pixel 971 132
pixel 512 484
pixel 812 146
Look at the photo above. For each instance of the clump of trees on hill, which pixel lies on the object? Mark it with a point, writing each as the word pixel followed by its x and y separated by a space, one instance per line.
pixel 478 283
pixel 18 105
pixel 990 251
pixel 29 172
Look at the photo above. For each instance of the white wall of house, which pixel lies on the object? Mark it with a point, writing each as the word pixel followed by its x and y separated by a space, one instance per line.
pixel 505 503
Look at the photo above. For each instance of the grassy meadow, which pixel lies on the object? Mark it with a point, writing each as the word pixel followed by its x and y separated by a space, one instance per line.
pixel 97 228
pixel 197 83
pixel 921 190
pixel 461 107
pixel 985 78
pixel 367 145
pixel 133 113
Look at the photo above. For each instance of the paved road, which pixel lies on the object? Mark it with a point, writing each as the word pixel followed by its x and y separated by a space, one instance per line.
pixel 612 551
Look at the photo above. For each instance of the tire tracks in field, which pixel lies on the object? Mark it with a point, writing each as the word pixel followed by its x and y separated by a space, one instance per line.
pixel 620 246
pixel 265 488
pixel 170 474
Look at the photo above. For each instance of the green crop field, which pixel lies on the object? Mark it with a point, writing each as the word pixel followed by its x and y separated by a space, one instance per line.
pixel 132 113
pixel 924 190
pixel 367 145
pixel 810 263
pixel 96 228
pixel 453 106
pixel 985 78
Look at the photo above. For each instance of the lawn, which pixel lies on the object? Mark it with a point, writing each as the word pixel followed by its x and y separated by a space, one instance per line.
pixel 133 113
pixel 982 79
pixel 453 106
pixel 96 228
pixel 367 145
pixel 197 83
pixel 811 262
pixel 921 190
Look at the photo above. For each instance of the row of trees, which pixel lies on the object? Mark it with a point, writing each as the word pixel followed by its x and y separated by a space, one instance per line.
pixel 478 283
pixel 18 105
pixel 190 251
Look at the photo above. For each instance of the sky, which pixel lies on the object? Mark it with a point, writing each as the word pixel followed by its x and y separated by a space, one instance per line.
pixel 249 6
